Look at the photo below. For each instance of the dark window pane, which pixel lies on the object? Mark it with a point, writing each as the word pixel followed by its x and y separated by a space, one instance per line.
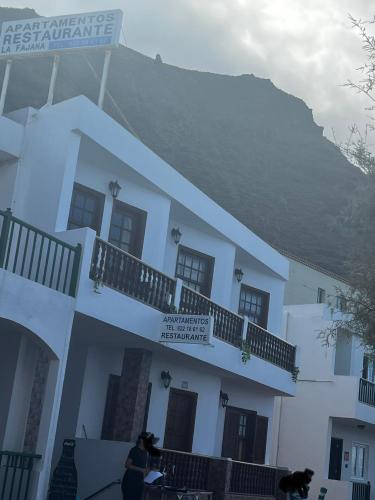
pixel 254 305
pixel 195 270
pixel 86 208
pixel 127 228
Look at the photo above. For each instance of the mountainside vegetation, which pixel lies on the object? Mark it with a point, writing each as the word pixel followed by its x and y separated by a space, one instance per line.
pixel 251 147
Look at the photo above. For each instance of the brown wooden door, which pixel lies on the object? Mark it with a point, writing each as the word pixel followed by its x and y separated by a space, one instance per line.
pixel 179 427
pixel 239 438
pixel 110 407
pixel 260 444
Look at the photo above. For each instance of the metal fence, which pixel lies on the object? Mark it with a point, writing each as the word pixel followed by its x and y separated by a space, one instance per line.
pixel 16 473
pixel 38 256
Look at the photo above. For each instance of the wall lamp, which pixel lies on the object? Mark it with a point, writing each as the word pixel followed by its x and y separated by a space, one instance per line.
pixel 176 235
pixel 166 378
pixel 224 399
pixel 238 274
pixel 114 188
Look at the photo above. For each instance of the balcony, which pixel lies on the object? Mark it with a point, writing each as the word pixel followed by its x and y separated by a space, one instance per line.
pixel 361 491
pixel 124 273
pixel 366 393
pixel 38 256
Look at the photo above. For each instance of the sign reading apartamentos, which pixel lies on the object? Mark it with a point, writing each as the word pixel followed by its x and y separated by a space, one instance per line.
pixel 186 329
pixel 43 34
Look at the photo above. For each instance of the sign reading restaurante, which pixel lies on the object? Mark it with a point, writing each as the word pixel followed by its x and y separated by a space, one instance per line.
pixel 186 329
pixel 44 34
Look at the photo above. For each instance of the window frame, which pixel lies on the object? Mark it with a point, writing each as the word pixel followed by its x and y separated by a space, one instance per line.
pixel 366 370
pixel 267 297
pixel 356 444
pixel 100 197
pixel 139 233
pixel 321 296
pixel 211 265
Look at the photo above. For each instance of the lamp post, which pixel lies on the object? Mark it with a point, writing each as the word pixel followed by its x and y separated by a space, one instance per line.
pixel 176 235
pixel 114 188
pixel 166 378
pixel 238 274
pixel 224 398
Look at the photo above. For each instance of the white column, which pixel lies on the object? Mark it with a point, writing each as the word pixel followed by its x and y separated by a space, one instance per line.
pixel 5 85
pixel 107 59
pixel 21 393
pixel 52 82
pixel 177 295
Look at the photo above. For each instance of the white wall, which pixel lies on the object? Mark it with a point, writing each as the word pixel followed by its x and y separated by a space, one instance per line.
pixel 247 397
pixel 206 385
pixel 350 433
pixel 257 276
pixel 97 168
pixel 302 286
pixel 304 325
pixel 101 361
pixel 8 174
pixel 202 238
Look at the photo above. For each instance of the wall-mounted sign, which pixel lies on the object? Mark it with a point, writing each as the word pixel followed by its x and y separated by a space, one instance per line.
pixel 45 34
pixel 186 329
pixel 346 456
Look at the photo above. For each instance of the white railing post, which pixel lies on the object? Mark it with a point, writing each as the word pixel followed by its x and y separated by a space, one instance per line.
pixel 177 294
pixel 5 85
pixel 244 328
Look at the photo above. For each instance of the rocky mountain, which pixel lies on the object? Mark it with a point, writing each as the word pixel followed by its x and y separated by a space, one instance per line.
pixel 250 146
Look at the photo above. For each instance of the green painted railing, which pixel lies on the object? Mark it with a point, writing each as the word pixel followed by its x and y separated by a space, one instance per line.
pixel 38 256
pixel 16 471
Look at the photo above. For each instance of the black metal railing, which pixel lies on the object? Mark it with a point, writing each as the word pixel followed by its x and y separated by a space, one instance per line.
pixel 366 392
pixel 127 274
pixel 361 491
pixel 185 470
pixel 271 348
pixel 252 479
pixel 228 325
pixel 16 472
pixel 38 256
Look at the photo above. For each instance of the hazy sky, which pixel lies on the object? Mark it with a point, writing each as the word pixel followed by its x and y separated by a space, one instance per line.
pixel 306 47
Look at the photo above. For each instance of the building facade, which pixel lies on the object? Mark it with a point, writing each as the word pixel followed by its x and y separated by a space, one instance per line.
pixel 102 240
pixel 330 425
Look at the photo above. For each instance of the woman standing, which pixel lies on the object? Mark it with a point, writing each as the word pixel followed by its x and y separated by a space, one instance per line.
pixel 136 466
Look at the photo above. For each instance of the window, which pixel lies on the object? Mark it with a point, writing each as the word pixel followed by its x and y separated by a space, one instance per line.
pixel 368 371
pixel 127 228
pixel 86 208
pixel 195 269
pixel 359 459
pixel 254 304
pixel 321 296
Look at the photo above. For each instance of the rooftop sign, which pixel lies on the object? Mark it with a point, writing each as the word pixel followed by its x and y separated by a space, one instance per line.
pixel 46 34
pixel 186 329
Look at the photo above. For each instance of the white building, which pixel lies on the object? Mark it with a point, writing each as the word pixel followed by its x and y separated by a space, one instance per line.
pixel 80 364
pixel 330 425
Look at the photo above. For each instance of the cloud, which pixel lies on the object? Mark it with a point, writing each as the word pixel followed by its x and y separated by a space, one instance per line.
pixel 307 48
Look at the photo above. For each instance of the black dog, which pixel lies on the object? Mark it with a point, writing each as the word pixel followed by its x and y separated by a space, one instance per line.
pixel 297 482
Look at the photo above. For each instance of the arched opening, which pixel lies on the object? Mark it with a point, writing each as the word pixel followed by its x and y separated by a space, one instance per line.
pixel 25 362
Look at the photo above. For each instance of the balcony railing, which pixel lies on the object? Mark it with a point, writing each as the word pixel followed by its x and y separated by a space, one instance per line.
pixel 366 392
pixel 222 476
pixel 271 348
pixel 38 256
pixel 16 470
pixel 185 470
pixel 361 491
pixel 227 325
pixel 126 274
